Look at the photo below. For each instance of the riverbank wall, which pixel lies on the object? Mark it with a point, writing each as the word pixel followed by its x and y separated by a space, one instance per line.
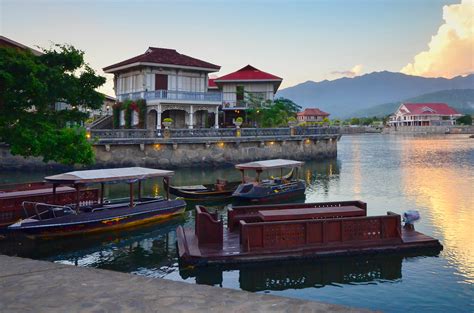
pixel 190 152
pixel 430 130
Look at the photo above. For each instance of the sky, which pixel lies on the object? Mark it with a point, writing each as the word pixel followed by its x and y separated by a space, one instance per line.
pixel 297 40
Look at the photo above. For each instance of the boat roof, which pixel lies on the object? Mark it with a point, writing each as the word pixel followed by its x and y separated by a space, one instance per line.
pixel 108 175
pixel 269 164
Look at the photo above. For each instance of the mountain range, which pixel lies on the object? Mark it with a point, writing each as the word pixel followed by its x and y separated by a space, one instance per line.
pixel 347 97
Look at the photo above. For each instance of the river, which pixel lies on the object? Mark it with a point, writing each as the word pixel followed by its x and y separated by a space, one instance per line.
pixel 432 174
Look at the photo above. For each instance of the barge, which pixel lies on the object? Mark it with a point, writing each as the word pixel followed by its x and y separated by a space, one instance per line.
pixel 295 231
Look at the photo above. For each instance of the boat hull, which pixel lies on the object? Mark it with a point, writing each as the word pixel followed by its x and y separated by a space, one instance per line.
pixel 207 194
pixel 107 220
pixel 260 194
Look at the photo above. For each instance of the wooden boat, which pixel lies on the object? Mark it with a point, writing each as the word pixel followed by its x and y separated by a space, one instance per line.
pixel 294 231
pixel 13 195
pixel 50 220
pixel 273 189
pixel 206 192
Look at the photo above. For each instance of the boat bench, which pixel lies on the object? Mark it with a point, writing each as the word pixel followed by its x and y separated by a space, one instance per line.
pixel 249 214
pixel 309 213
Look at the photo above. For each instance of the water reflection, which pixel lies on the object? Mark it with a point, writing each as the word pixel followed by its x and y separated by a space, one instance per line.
pixel 436 190
pixel 307 274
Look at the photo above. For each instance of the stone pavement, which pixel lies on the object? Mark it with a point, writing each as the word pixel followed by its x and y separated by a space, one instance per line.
pixel 38 286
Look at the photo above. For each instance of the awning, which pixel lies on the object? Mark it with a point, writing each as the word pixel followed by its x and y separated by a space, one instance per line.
pixel 108 175
pixel 269 164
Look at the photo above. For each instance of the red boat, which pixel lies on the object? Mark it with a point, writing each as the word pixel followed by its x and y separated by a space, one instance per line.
pixel 13 195
pixel 294 231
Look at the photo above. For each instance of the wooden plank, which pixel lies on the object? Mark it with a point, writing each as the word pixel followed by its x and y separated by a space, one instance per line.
pixel 309 213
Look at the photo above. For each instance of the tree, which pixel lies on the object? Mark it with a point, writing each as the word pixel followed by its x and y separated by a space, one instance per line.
pixel 30 86
pixel 272 114
pixel 465 120
pixel 355 121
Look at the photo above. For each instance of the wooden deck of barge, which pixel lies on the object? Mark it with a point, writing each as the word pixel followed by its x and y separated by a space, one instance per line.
pixel 231 252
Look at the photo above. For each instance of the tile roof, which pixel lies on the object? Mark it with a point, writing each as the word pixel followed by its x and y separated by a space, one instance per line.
pixel 249 73
pixel 212 84
pixel 312 112
pixel 164 56
pixel 430 108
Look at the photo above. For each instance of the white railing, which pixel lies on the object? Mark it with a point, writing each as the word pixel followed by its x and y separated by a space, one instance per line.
pixel 173 95
pixel 234 100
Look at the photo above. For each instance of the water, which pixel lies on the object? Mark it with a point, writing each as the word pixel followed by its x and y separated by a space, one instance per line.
pixel 434 175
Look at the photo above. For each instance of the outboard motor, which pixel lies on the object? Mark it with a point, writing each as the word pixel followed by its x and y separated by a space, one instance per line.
pixel 410 217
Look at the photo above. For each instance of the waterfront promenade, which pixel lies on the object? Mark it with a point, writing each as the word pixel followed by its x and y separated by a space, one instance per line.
pixel 39 286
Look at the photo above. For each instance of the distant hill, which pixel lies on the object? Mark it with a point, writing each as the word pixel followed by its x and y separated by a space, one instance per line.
pixel 344 96
pixel 460 99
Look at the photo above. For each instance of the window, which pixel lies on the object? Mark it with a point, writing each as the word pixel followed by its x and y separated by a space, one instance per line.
pixel 240 93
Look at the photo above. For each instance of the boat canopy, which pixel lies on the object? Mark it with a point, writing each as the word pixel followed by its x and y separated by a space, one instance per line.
pixel 269 164
pixel 108 175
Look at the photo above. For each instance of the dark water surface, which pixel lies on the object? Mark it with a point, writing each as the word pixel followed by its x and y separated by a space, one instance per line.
pixel 434 175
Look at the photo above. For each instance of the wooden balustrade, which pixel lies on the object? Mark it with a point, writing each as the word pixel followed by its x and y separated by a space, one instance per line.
pixel 337 231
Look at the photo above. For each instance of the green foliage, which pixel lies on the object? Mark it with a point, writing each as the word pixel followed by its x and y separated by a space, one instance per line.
pixel 141 104
pixel 465 120
pixel 326 120
pixel 168 120
pixel 292 119
pixel 239 120
pixel 273 114
pixel 30 87
pixel 127 113
pixel 116 108
pixel 355 121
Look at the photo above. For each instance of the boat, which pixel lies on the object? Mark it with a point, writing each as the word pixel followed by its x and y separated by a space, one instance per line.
pixel 262 233
pixel 13 195
pixel 206 192
pixel 44 220
pixel 273 189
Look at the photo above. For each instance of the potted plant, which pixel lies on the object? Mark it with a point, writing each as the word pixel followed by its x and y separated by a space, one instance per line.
pixel 238 121
pixel 167 122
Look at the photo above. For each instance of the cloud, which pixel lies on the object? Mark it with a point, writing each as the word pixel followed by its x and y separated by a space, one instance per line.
pixel 355 71
pixel 451 51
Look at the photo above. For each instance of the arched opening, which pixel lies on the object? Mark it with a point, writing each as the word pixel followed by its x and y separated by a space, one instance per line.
pixel 178 117
pixel 151 119
pixel 201 119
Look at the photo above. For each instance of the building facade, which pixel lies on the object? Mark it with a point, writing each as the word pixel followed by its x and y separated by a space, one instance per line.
pixel 174 85
pixel 242 88
pixel 424 114
pixel 311 115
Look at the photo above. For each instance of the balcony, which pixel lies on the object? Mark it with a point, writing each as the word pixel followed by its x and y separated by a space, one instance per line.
pixel 174 95
pixel 230 100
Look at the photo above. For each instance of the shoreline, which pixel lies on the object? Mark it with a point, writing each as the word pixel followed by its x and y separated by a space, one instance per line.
pixel 67 288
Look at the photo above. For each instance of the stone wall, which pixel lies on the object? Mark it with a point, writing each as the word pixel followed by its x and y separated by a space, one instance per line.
pixel 173 155
pixel 190 153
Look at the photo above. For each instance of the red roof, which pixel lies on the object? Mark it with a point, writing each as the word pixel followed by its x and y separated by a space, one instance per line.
pixel 312 112
pixel 249 73
pixel 212 84
pixel 164 56
pixel 430 108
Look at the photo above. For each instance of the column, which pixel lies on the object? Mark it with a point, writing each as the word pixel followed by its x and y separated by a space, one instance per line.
pixel 158 117
pixel 216 117
pixel 191 117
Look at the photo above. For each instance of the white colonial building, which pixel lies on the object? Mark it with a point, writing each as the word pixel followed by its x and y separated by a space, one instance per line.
pixel 174 85
pixel 239 87
pixel 424 114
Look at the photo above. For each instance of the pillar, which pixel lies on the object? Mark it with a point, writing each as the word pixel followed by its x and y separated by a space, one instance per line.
pixel 216 117
pixel 191 117
pixel 158 119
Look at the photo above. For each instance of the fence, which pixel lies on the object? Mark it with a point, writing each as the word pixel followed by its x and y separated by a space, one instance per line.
pixel 211 132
